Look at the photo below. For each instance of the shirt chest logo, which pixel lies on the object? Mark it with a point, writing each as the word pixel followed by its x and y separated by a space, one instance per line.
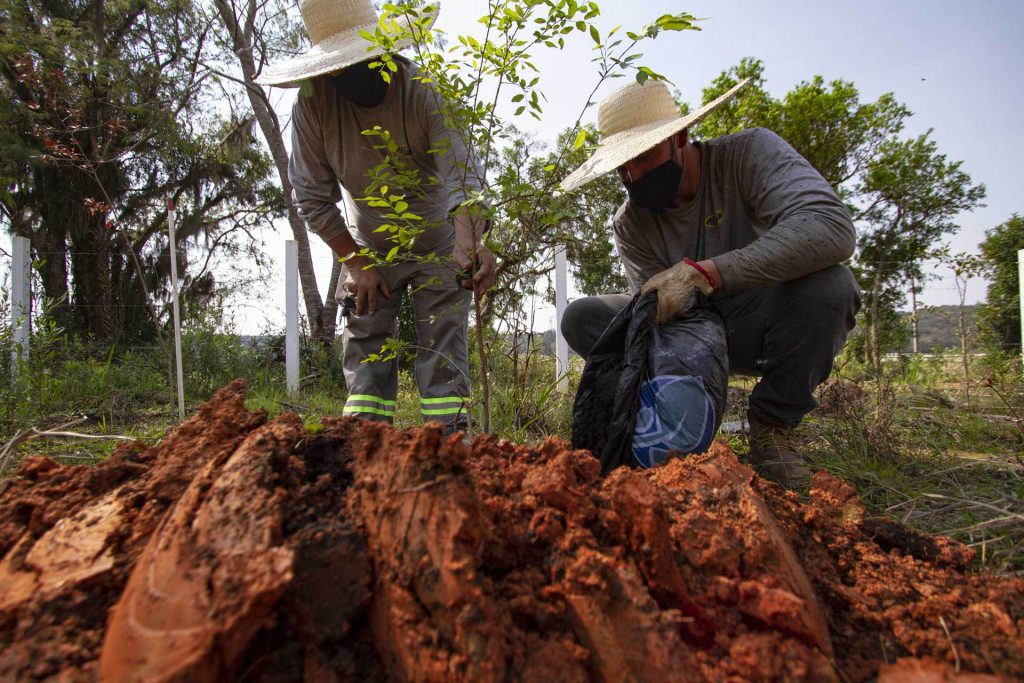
pixel 715 219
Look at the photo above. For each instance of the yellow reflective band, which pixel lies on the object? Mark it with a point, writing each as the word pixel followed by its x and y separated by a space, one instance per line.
pixel 450 399
pixel 350 410
pixel 445 411
pixel 371 399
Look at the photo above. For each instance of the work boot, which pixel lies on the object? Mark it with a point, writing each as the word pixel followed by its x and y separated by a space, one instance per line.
pixel 774 456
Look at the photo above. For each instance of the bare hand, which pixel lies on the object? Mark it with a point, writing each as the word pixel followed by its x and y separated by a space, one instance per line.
pixel 364 283
pixel 483 268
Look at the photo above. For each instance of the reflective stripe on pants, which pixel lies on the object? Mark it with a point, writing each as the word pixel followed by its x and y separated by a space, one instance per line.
pixel 441 310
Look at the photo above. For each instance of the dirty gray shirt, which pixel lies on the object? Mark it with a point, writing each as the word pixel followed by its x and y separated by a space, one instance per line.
pixel 762 212
pixel 330 152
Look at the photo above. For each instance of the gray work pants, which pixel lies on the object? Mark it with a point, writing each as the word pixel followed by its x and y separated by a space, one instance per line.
pixel 787 334
pixel 441 309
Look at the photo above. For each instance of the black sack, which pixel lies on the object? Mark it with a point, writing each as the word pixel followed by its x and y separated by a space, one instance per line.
pixel 640 368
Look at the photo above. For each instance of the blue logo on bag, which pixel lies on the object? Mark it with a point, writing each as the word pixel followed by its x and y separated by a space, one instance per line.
pixel 675 414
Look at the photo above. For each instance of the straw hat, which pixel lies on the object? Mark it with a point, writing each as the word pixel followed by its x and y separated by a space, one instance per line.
pixel 334 27
pixel 633 119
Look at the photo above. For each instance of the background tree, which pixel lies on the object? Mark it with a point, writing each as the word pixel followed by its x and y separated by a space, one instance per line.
pixel 912 196
pixel 258 33
pixel 827 124
pixel 107 112
pixel 1000 321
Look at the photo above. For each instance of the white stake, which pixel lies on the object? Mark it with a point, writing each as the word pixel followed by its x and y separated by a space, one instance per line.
pixel 174 310
pixel 561 348
pixel 291 309
pixel 1020 288
pixel 21 299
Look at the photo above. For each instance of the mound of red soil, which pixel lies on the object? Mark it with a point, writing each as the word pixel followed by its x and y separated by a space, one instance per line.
pixel 244 549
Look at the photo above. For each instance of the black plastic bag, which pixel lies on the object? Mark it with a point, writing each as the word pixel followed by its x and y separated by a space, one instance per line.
pixel 648 389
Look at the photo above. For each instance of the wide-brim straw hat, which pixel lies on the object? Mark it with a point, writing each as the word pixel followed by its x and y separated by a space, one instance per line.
pixel 633 119
pixel 334 28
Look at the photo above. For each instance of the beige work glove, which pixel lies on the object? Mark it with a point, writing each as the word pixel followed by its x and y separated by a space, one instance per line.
pixel 675 287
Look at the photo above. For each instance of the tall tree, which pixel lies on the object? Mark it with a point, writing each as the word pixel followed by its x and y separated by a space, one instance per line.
pixel 1000 321
pixel 107 112
pixel 256 32
pixel 912 195
pixel 827 124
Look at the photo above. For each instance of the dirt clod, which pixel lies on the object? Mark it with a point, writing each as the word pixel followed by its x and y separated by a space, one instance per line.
pixel 242 549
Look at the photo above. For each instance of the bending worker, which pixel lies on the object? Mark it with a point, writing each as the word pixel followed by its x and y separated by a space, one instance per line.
pixel 749 224
pixel 340 98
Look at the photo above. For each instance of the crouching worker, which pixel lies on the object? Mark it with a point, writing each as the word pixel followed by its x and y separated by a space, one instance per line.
pixel 342 96
pixel 741 225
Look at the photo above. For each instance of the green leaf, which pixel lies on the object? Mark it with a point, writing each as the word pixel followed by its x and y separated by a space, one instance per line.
pixel 595 34
pixel 581 137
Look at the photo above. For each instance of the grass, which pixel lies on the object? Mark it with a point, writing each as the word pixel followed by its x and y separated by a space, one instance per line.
pixel 911 445
pixel 943 471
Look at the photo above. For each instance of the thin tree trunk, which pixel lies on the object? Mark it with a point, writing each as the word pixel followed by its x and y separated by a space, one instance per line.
pixel 485 389
pixel 913 315
pixel 962 321
pixel 966 358
pixel 875 346
pixel 322 316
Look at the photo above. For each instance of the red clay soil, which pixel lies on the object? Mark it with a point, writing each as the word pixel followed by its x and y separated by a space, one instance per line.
pixel 242 549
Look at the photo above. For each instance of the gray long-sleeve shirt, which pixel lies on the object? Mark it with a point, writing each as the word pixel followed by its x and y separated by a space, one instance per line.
pixel 762 212
pixel 330 152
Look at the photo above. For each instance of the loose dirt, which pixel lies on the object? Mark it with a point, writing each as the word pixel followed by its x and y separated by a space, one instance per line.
pixel 245 549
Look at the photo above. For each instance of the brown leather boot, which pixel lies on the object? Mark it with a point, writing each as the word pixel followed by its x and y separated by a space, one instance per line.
pixel 774 456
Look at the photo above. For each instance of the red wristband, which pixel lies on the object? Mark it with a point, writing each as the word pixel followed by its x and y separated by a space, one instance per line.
pixel 700 269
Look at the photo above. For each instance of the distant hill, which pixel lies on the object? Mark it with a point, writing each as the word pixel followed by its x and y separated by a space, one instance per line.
pixel 939 327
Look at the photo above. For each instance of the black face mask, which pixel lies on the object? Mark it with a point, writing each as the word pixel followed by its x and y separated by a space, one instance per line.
pixel 361 85
pixel 656 189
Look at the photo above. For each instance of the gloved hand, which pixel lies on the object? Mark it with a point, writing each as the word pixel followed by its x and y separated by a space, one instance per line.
pixel 675 287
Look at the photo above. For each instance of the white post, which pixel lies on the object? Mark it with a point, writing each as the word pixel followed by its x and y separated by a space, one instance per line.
pixel 1020 286
pixel 21 298
pixel 291 308
pixel 561 348
pixel 175 311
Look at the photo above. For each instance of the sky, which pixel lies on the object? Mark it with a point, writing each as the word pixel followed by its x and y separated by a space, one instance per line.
pixel 953 64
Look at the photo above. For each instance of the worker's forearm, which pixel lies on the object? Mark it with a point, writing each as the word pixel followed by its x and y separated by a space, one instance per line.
pixel 344 246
